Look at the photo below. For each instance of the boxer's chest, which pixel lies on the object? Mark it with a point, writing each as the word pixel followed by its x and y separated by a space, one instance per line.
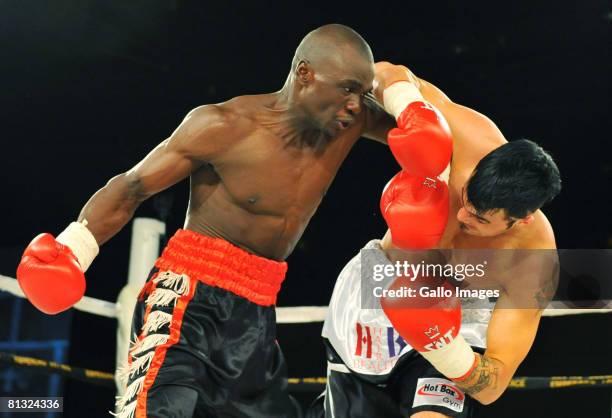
pixel 267 175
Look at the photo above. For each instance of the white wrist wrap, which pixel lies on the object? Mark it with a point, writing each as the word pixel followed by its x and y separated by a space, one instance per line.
pixel 81 242
pixel 399 95
pixel 453 360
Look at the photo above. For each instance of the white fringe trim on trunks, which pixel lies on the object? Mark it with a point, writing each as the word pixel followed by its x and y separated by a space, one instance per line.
pixel 173 286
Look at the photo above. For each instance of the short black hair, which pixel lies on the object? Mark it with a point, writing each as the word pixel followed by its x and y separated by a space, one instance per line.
pixel 519 177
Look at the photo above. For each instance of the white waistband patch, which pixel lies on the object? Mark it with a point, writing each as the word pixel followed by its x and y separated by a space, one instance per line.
pixel 438 392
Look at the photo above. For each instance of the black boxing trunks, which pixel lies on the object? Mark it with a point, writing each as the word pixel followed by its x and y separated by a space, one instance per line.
pixel 205 328
pixel 413 386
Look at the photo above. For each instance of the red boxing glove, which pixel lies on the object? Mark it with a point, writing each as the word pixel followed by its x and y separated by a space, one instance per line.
pixel 429 320
pixel 425 322
pixel 422 143
pixel 415 209
pixel 50 275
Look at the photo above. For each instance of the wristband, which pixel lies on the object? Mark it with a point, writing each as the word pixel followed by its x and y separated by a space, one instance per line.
pixel 454 360
pixel 81 242
pixel 469 372
pixel 399 95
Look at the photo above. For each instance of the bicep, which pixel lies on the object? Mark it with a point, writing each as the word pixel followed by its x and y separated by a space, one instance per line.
pixel 467 125
pixel 528 280
pixel 163 167
pixel 510 335
pixel 197 140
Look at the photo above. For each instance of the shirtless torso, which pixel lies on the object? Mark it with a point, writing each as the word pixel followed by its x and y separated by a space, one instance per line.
pixel 261 190
pixel 257 176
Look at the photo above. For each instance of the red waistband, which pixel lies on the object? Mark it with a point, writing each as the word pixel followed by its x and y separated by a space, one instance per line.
pixel 219 263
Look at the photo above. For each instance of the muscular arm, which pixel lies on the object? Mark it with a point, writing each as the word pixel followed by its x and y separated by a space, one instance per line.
pixel 529 278
pixel 476 133
pixel 200 138
pixel 473 131
pixel 509 337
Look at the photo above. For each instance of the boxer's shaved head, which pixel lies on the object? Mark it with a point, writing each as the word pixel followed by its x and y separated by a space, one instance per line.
pixel 332 42
pixel 331 71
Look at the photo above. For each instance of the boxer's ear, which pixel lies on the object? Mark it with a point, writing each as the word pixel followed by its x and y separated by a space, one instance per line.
pixel 304 72
pixel 526 220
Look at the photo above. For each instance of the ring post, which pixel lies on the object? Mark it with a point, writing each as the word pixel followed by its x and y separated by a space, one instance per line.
pixel 144 250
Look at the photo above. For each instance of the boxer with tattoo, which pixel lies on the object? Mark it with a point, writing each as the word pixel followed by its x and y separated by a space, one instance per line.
pixel 462 186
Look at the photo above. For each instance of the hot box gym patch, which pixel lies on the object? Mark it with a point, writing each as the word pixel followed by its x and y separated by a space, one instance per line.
pixel 438 392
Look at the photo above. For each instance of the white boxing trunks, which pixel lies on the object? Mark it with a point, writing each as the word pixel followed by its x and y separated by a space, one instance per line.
pixel 367 356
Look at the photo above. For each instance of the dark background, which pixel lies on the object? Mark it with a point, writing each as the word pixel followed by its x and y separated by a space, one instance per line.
pixel 88 87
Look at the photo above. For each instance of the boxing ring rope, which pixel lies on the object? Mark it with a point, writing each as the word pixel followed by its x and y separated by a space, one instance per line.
pixel 145 248
pixel 302 384
pixel 284 315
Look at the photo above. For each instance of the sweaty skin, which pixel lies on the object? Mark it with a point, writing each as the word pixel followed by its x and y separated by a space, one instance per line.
pixel 511 332
pixel 259 165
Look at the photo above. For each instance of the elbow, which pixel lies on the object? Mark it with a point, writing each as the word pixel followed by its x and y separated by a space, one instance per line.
pixel 487 397
pixel 131 187
pixel 121 196
pixel 486 400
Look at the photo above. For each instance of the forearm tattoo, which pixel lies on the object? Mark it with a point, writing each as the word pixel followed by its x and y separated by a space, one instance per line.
pixel 484 376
